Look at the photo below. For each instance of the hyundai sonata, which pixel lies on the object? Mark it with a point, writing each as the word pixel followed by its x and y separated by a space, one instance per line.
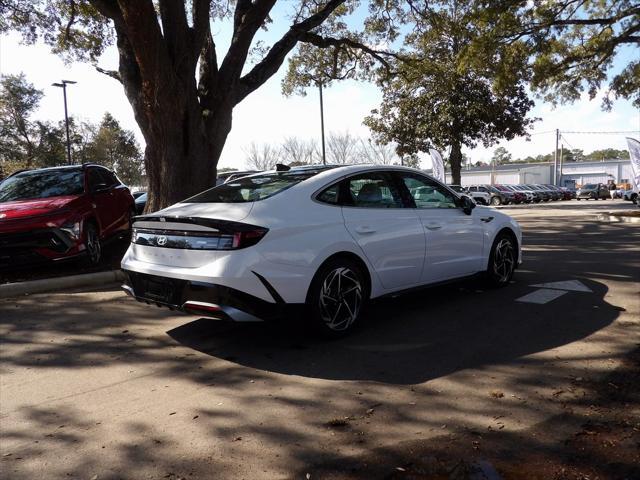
pixel 327 239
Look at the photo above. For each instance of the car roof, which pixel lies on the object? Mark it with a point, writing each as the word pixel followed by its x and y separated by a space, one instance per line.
pixel 59 167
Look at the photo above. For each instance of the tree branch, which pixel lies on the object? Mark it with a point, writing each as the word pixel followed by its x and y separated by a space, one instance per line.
pixel 325 42
pixel 248 18
pixel 201 29
pixel 270 64
pixel 109 73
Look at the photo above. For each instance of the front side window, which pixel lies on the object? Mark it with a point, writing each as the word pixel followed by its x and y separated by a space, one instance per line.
pixel 251 189
pixel 372 190
pixel 42 184
pixel 428 193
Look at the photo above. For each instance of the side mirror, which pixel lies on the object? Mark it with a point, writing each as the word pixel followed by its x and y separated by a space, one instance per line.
pixel 467 204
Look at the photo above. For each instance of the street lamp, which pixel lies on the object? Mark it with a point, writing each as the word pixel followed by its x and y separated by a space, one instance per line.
pixel 324 157
pixel 63 85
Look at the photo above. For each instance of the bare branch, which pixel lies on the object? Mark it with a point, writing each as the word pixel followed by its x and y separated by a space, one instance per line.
pixel 109 73
pixel 270 64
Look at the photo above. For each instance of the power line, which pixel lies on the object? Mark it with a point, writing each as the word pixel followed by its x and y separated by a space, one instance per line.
pixel 566 141
pixel 603 132
pixel 542 133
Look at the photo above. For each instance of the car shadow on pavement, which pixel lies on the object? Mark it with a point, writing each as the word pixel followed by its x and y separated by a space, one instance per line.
pixel 431 333
pixel 413 338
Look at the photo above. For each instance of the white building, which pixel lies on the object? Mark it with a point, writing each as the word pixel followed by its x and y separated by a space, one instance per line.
pixel 573 173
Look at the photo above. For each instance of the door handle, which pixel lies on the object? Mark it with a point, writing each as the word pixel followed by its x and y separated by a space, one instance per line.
pixel 433 226
pixel 364 229
pixel 486 219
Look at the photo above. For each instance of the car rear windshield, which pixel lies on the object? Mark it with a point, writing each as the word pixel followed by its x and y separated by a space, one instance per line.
pixel 42 184
pixel 251 189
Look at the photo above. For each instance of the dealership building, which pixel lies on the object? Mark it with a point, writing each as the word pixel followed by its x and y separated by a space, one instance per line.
pixel 572 173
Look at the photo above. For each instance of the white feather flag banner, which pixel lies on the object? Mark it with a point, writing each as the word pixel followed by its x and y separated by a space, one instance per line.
pixel 634 153
pixel 438 165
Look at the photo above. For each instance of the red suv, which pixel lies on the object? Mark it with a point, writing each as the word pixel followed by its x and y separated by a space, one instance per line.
pixel 61 212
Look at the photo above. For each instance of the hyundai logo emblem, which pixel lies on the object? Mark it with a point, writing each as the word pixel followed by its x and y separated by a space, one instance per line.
pixel 161 241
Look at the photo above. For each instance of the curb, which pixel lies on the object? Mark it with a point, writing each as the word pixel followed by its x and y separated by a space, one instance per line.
pixel 60 283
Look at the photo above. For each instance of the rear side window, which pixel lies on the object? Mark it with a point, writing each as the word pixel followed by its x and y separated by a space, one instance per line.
pixel 250 189
pixel 330 195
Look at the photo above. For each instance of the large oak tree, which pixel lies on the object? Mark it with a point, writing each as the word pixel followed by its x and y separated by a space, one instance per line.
pixel 437 98
pixel 182 90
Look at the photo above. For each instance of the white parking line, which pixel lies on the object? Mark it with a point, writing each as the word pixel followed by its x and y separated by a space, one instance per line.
pixel 570 285
pixel 542 296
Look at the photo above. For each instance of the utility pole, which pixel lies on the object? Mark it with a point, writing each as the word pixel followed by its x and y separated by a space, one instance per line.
pixel 561 160
pixel 324 156
pixel 555 159
pixel 63 85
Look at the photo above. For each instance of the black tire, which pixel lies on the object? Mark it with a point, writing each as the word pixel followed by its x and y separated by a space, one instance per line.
pixel 495 201
pixel 502 261
pixel 92 243
pixel 337 296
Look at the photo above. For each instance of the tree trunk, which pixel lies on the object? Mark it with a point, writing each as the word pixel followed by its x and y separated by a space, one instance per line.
pixel 455 159
pixel 182 154
pixel 186 123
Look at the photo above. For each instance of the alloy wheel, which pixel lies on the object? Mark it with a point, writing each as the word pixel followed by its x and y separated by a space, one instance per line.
pixel 340 299
pixel 503 260
pixel 94 249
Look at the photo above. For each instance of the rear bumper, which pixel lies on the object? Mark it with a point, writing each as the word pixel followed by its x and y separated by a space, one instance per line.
pixel 202 299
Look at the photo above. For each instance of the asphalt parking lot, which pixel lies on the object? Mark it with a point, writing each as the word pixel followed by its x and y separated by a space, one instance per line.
pixel 436 384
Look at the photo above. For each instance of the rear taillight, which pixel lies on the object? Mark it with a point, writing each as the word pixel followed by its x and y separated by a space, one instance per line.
pixel 228 238
pixel 248 238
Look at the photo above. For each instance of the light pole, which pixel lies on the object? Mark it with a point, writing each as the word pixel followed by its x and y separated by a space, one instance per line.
pixel 63 85
pixel 324 157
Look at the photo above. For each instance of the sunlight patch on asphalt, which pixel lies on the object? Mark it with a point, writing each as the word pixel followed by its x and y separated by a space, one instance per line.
pixel 542 296
pixel 569 285
pixel 552 290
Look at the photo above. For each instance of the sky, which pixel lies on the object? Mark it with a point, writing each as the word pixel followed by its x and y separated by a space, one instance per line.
pixel 267 116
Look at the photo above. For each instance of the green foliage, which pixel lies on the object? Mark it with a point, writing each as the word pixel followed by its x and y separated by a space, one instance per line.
pixel 29 143
pixel 440 99
pixel 572 44
pixel 116 148
pixel 18 100
pixel 73 29
pixel 501 156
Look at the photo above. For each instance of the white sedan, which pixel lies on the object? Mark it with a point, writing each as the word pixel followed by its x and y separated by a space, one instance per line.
pixel 327 239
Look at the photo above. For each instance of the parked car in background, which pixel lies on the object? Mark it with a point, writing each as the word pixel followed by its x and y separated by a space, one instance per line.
pixel 557 193
pixel 62 212
pixel 629 195
pixel 497 197
pixel 240 252
pixel 228 176
pixel 140 203
pixel 138 194
pixel 518 196
pixel 593 191
pixel 569 192
pixel 532 195
pixel 481 198
pixel 545 194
